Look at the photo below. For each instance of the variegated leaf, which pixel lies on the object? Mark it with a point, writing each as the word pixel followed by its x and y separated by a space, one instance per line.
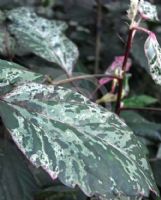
pixel 153 54
pixel 12 73
pixel 16 180
pixel 148 11
pixel 43 37
pixel 77 141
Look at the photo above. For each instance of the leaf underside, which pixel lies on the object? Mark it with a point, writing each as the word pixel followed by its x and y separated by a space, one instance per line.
pixel 77 141
pixel 43 37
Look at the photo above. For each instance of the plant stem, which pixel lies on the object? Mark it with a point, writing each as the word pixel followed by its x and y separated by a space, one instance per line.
pixel 141 29
pixel 120 82
pixel 90 76
pixel 98 35
pixel 141 109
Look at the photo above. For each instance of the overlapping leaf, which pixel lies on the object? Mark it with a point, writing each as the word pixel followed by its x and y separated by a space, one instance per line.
pixel 142 127
pixel 153 54
pixel 16 180
pixel 77 141
pixel 11 73
pixel 43 37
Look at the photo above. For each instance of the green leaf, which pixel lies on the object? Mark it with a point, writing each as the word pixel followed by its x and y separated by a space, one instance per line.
pixel 16 180
pixel 43 37
pixel 153 54
pixel 77 141
pixel 12 74
pixel 139 101
pixel 141 126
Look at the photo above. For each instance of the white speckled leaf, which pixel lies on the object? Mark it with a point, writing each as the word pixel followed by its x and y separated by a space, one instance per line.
pixel 16 182
pixel 148 11
pixel 12 73
pixel 77 141
pixel 153 54
pixel 43 37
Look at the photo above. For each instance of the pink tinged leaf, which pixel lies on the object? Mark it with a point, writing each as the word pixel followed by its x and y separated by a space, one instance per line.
pixel 103 81
pixel 153 53
pixel 148 11
pixel 115 66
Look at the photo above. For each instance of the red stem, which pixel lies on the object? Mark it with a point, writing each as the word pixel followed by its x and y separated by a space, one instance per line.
pixel 127 52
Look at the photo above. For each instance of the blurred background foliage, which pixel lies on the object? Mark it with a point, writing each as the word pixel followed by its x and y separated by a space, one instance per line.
pixel 87 24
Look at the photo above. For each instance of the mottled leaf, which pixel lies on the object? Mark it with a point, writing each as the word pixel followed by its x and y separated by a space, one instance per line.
pixel 148 11
pixel 43 37
pixel 77 141
pixel 12 74
pixel 16 180
pixel 142 127
pixel 153 54
pixel 140 100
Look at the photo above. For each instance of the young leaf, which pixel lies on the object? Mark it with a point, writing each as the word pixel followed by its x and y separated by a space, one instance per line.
pixel 141 100
pixel 153 53
pixel 77 141
pixel 115 67
pixel 148 11
pixel 12 73
pixel 17 181
pixel 133 9
pixel 43 37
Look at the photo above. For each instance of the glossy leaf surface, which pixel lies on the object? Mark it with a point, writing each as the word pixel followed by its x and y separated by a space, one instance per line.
pixel 77 141
pixel 43 37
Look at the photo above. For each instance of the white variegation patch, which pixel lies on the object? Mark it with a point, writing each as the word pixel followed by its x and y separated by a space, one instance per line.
pixel 148 11
pixel 78 141
pixel 153 54
pixel 43 37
